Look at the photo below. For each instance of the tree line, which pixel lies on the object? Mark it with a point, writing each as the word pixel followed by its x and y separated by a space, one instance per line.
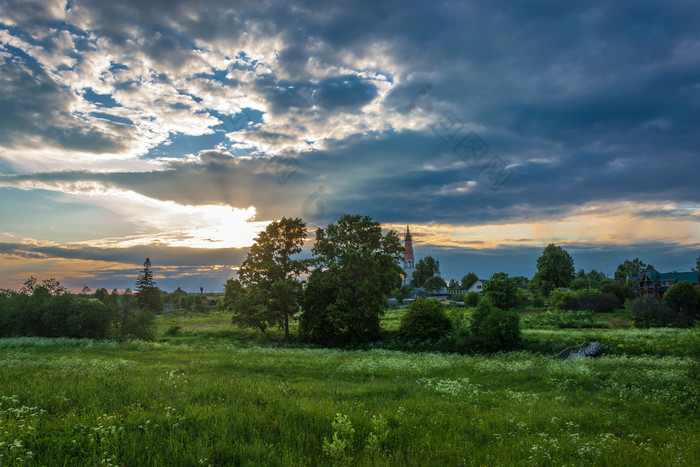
pixel 46 309
pixel 353 269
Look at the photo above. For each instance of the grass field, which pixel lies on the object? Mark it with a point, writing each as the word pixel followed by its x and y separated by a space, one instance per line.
pixel 212 396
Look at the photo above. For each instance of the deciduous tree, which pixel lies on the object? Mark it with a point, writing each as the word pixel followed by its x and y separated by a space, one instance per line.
pixel 555 268
pixel 356 266
pixel 629 269
pixel 269 289
pixel 435 284
pixel 425 269
pixel 502 290
pixel 468 280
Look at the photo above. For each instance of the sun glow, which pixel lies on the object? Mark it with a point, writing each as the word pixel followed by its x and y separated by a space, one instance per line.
pixel 166 223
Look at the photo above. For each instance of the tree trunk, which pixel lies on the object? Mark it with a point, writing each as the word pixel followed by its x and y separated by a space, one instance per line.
pixel 286 328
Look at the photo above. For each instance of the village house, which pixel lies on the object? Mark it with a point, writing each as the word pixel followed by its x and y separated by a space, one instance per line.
pixel 654 284
pixel 477 286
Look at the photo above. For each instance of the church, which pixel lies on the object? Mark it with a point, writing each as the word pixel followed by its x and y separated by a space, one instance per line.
pixel 409 262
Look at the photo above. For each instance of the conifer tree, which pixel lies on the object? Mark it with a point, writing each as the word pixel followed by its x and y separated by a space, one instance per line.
pixel 148 294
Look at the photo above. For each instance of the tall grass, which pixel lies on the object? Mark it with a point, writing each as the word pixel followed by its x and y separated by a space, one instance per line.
pixel 215 402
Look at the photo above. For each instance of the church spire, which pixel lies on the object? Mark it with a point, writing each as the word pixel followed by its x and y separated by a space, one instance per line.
pixel 408 260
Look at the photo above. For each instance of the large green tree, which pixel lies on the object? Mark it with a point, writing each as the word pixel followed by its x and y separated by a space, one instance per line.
pixel 424 270
pixel 555 268
pixel 435 284
pixel 468 280
pixel 587 280
pixel 269 290
pixel 148 295
pixel 502 290
pixel 631 268
pixel 356 266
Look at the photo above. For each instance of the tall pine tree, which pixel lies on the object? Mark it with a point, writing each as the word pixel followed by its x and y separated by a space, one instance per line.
pixel 149 297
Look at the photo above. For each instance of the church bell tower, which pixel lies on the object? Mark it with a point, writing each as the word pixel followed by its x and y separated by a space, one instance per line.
pixel 409 263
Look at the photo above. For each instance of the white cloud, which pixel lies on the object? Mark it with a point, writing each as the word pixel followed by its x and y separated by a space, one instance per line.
pixel 156 221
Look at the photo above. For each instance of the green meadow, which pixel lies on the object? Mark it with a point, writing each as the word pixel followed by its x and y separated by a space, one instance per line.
pixel 206 393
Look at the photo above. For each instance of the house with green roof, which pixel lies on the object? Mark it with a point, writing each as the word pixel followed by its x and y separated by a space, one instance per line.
pixel 654 284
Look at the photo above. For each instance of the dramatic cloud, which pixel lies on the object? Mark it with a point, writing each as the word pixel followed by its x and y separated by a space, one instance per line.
pixel 492 129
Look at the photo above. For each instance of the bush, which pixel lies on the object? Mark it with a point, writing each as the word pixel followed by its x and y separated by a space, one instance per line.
pixel 400 293
pixel 651 312
pixel 41 314
pixel 561 319
pixel 537 301
pixel 459 317
pixel 173 330
pixel 597 302
pixel 472 298
pixel 425 320
pixel 684 299
pixel 621 291
pixel 493 329
pixel 562 300
pixel 140 325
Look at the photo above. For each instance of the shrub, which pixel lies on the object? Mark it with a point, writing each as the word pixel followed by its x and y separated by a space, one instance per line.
pixel 140 325
pixel 651 312
pixel 621 291
pixel 400 293
pixel 537 301
pixel 199 304
pixel 425 320
pixel 494 329
pixel 684 299
pixel 459 318
pixel 173 330
pixel 472 298
pixel 90 319
pixel 53 316
pixel 594 300
pixel 562 300
pixel 562 319
pixel 521 298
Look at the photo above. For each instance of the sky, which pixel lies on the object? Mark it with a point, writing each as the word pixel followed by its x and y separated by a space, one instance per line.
pixel 177 130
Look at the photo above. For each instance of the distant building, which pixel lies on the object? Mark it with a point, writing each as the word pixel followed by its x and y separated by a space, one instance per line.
pixel 654 284
pixel 409 263
pixel 420 292
pixel 477 286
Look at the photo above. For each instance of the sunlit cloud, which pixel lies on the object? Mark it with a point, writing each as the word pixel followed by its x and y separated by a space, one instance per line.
pixel 606 224
pixel 162 222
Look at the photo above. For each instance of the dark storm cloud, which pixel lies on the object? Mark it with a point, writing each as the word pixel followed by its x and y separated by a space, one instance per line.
pixel 588 103
pixel 345 91
pixel 411 177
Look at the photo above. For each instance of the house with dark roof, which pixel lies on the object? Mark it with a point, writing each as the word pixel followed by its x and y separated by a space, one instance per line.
pixel 654 284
